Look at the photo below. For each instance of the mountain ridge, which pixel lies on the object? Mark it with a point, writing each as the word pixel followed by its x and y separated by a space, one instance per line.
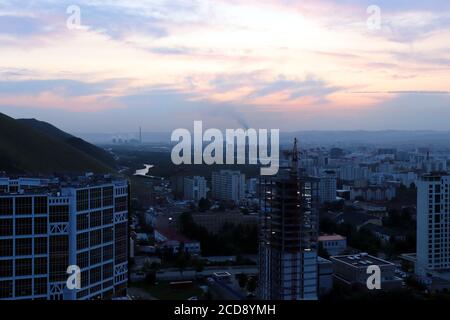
pixel 35 147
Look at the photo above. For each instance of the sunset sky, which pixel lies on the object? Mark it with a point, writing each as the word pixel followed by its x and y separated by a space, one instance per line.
pixel 293 65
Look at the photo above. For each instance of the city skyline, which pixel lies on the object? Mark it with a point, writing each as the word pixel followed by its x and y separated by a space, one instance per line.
pixel 161 65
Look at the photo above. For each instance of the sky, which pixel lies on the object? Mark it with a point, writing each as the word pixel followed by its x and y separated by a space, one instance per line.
pixel 289 65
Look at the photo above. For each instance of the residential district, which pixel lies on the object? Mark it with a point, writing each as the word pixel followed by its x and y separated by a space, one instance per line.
pixel 310 232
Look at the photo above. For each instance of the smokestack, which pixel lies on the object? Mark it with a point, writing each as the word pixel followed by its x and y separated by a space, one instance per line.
pixel 295 157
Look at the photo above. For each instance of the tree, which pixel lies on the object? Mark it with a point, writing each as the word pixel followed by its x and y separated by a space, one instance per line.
pixel 204 205
pixel 182 260
pixel 252 285
pixel 242 279
pixel 199 265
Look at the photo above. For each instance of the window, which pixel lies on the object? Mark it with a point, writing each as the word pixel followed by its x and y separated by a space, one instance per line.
pixel 24 247
pixel 82 241
pixel 108 216
pixel 96 256
pixel 96 198
pixel 40 226
pixel 108 253
pixel 59 258
pixel 95 275
pixel 108 196
pixel 108 284
pixel 83 259
pixel 85 279
pixel 6 289
pixel 6 227
pixel 95 219
pixel 40 205
pixel 108 234
pixel 59 214
pixel 24 206
pixel 82 294
pixel 121 204
pixel 23 287
pixel 6 268
pixel 6 248
pixel 40 286
pixel 24 267
pixel 120 243
pixel 95 290
pixel 40 246
pixel 95 237
pixel 40 266
pixel 6 206
pixel 82 222
pixel 82 200
pixel 108 271
pixel 24 226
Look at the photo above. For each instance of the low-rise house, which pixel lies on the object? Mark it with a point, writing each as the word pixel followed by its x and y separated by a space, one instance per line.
pixel 334 244
pixel 171 239
pixel 384 234
pixel 357 219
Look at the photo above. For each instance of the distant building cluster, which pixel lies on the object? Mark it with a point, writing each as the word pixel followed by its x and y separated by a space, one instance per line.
pixel 354 189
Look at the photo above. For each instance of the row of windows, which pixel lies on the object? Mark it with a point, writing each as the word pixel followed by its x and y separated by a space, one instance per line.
pixel 94 198
pixel 97 289
pixel 94 256
pixel 24 267
pixel 23 287
pixel 95 238
pixel 24 205
pixel 94 219
pixel 24 226
pixel 59 214
pixel 121 204
pixel 121 243
pixel 24 247
pixel 58 257
pixel 96 275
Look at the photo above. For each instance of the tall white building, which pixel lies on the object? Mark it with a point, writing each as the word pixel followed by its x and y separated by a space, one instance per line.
pixel 327 186
pixel 195 188
pixel 47 225
pixel 433 221
pixel 228 185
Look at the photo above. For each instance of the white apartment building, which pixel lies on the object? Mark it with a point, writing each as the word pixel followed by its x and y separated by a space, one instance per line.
pixel 47 225
pixel 433 224
pixel 195 188
pixel 327 186
pixel 353 172
pixel 372 193
pixel 228 185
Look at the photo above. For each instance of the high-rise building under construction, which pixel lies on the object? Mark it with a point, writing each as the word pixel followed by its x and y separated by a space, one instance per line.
pixel 288 235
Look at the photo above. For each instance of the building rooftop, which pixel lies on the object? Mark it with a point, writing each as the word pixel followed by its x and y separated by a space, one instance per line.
pixel 361 260
pixel 52 185
pixel 333 237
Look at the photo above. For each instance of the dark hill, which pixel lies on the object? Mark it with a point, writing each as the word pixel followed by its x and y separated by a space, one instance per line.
pixel 41 148
pixel 75 142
